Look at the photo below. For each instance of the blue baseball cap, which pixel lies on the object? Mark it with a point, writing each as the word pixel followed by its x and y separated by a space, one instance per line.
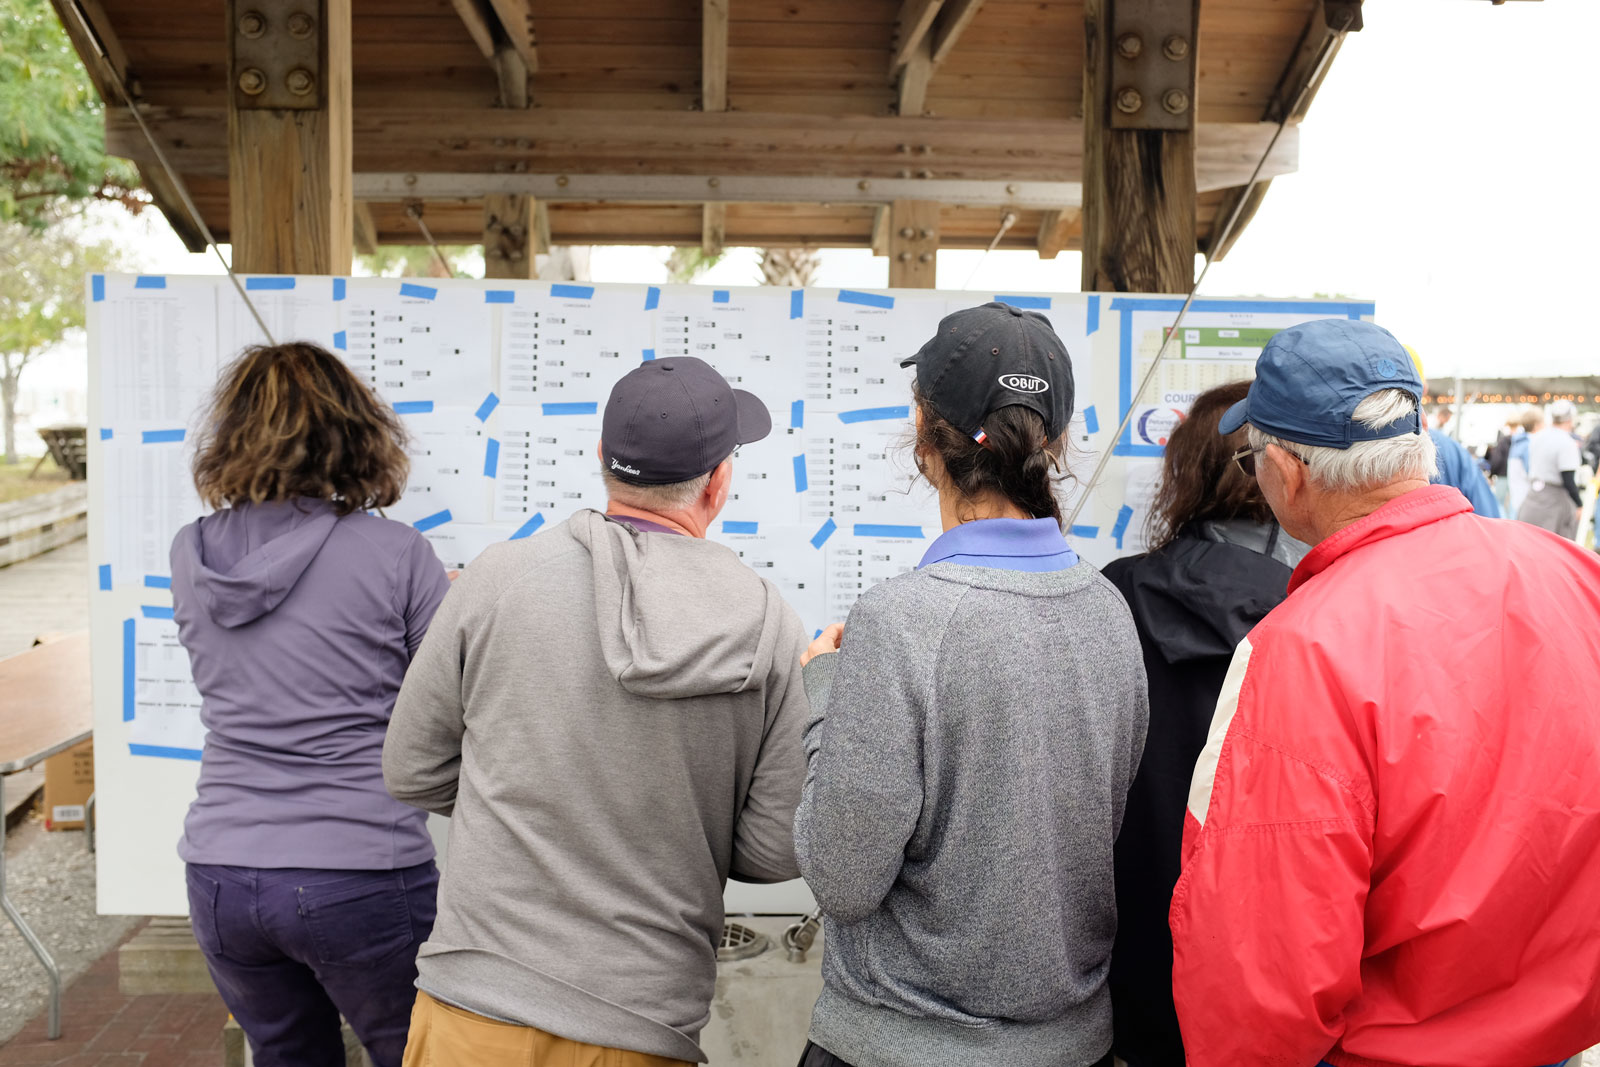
pixel 1310 378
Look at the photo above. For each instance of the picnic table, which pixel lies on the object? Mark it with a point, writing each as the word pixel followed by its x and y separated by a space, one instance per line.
pixel 44 709
pixel 69 447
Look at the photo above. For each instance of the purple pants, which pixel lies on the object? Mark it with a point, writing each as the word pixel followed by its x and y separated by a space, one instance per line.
pixel 291 950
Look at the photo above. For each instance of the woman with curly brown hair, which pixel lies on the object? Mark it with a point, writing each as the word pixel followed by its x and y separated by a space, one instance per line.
pixel 310 888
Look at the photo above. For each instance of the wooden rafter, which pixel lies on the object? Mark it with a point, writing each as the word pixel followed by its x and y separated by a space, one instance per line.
pixel 928 32
pixel 956 17
pixel 516 18
pixel 714 55
pixel 916 20
pixel 914 78
pixel 499 45
pixel 1056 229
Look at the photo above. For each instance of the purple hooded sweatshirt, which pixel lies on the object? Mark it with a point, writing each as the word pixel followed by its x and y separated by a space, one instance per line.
pixel 300 625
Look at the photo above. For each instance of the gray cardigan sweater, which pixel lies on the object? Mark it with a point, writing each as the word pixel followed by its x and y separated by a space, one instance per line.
pixel 970 751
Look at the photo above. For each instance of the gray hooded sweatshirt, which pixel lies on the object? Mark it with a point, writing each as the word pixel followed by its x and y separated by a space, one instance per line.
pixel 614 720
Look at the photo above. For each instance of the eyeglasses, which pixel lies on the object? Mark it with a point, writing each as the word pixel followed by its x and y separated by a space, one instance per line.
pixel 1246 459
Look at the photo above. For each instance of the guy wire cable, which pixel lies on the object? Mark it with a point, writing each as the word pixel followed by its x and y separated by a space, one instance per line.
pixel 1008 220
pixel 115 77
pixel 414 213
pixel 1218 241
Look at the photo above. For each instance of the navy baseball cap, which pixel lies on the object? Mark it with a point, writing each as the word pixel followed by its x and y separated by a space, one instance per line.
pixel 1310 378
pixel 991 357
pixel 672 420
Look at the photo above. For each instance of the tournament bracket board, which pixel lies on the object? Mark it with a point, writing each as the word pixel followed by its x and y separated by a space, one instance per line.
pixel 500 385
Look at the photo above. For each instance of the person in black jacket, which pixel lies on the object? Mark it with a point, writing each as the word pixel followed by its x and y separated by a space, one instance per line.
pixel 1218 564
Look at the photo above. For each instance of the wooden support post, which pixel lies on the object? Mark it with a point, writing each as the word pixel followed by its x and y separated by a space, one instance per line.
pixel 541 229
pixel 508 226
pixel 1055 229
pixel 1138 184
pixel 880 230
pixel 289 137
pixel 914 79
pixel 713 227
pixel 913 244
pixel 714 55
pixel 366 230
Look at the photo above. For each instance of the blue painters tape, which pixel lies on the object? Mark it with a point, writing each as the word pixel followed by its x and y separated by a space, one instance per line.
pixel 719 296
pixel 421 292
pixel 252 284
pixel 801 482
pixel 156 581
pixel 652 298
pixel 527 528
pixel 1353 309
pixel 1091 419
pixel 871 300
pixel 647 355
pixel 150 281
pixel 165 752
pixel 413 407
pixel 797 415
pixel 128 654
pixel 588 408
pixel 572 292
pixel 97 287
pixel 499 296
pixel 1088 533
pixel 1093 322
pixel 486 408
pixel 154 611
pixel 338 289
pixel 491 457
pixel 438 518
pixel 873 529
pixel 738 527
pixel 341 340
pixel 104 572
pixel 820 538
pixel 1036 303
pixel 105 433
pixel 875 414
pixel 158 437
pixel 1119 529
pixel 797 303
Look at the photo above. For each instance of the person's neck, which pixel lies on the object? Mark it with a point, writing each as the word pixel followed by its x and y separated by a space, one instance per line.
pixel 955 509
pixel 1352 509
pixel 690 523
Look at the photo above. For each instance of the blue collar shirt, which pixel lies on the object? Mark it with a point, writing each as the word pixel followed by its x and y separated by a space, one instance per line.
pixel 1005 544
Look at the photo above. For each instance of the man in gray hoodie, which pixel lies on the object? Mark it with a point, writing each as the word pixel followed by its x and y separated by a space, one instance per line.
pixel 611 711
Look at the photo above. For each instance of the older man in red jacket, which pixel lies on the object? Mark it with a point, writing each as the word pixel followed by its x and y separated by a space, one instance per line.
pixel 1392 850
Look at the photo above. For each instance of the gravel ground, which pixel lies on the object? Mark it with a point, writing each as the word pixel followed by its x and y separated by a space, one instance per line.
pixel 50 878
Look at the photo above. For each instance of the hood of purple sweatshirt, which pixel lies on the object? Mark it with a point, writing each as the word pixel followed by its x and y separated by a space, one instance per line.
pixel 242 571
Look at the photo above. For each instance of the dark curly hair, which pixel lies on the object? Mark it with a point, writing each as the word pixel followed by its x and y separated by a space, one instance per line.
pixel 1199 480
pixel 292 421
pixel 1014 461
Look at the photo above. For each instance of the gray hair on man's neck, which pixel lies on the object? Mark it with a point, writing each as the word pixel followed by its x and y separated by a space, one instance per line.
pixel 1367 465
pixel 659 499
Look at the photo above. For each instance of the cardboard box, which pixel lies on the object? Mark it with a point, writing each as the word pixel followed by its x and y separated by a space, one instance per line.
pixel 68 783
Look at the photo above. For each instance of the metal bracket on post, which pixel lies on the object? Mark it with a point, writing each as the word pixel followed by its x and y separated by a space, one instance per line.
pixel 275 52
pixel 1343 15
pixel 1152 64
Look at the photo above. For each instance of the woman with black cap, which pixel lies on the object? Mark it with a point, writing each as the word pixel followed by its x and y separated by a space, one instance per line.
pixel 972 744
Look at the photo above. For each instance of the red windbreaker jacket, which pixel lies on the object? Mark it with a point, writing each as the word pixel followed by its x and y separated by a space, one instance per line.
pixel 1392 849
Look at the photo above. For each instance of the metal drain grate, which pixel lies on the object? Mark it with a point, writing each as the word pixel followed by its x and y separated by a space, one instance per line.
pixel 740 943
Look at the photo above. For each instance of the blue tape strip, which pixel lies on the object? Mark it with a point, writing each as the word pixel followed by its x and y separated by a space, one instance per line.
pixel 491 457
pixel 527 528
pixel 104 572
pixel 421 292
pixel 150 281
pixel 652 298
pixel 1119 529
pixel 874 529
pixel 647 355
pixel 738 527
pixel 719 296
pixel 1037 303
pixel 801 482
pixel 338 288
pixel 820 538
pixel 572 292
pixel 486 408
pixel 156 581
pixel 570 409
pixel 165 752
pixel 158 437
pixel 499 296
pixel 341 339
pixel 154 611
pixel 413 407
pixel 797 303
pixel 438 518
pixel 97 287
pixel 1093 322
pixel 105 433
pixel 1091 419
pixel 1087 532
pixel 252 284
pixel 797 415
pixel 875 414
pixel 128 654
pixel 871 300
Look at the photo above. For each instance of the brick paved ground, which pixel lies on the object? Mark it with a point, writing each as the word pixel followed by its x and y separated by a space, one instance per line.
pixel 101 1027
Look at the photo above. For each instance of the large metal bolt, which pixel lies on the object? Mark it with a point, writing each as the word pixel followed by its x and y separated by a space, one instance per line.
pixel 907 233
pixel 925 233
pixel 300 81
pixel 1175 48
pixel 863 185
pixel 905 257
pixel 714 182
pixel 1129 100
pixel 562 180
pixel 300 25
pixel 252 24
pixel 1176 101
pixel 1130 46
pixel 926 257
pixel 252 82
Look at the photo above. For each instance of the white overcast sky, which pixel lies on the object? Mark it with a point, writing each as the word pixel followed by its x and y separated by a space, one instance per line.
pixel 1447 171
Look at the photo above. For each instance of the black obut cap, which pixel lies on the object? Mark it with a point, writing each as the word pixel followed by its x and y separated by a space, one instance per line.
pixel 670 420
pixel 992 357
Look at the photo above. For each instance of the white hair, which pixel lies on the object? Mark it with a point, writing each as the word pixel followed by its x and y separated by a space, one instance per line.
pixel 674 496
pixel 1366 465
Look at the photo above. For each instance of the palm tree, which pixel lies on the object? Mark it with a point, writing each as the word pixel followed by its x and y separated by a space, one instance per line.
pixel 792 267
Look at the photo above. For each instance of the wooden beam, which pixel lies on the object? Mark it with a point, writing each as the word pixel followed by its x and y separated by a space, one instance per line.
pixel 913 244
pixel 508 228
pixel 880 230
pixel 914 78
pixel 289 174
pixel 512 74
pixel 915 22
pixel 481 24
pixel 541 229
pixel 365 231
pixel 713 228
pixel 499 48
pixel 516 18
pixel 954 20
pixel 1056 229
pixel 714 55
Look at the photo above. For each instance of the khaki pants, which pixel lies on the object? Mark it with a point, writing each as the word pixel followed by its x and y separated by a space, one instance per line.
pixel 442 1036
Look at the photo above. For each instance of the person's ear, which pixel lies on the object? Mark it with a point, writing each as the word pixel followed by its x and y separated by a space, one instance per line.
pixel 1287 471
pixel 717 489
pixel 600 448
